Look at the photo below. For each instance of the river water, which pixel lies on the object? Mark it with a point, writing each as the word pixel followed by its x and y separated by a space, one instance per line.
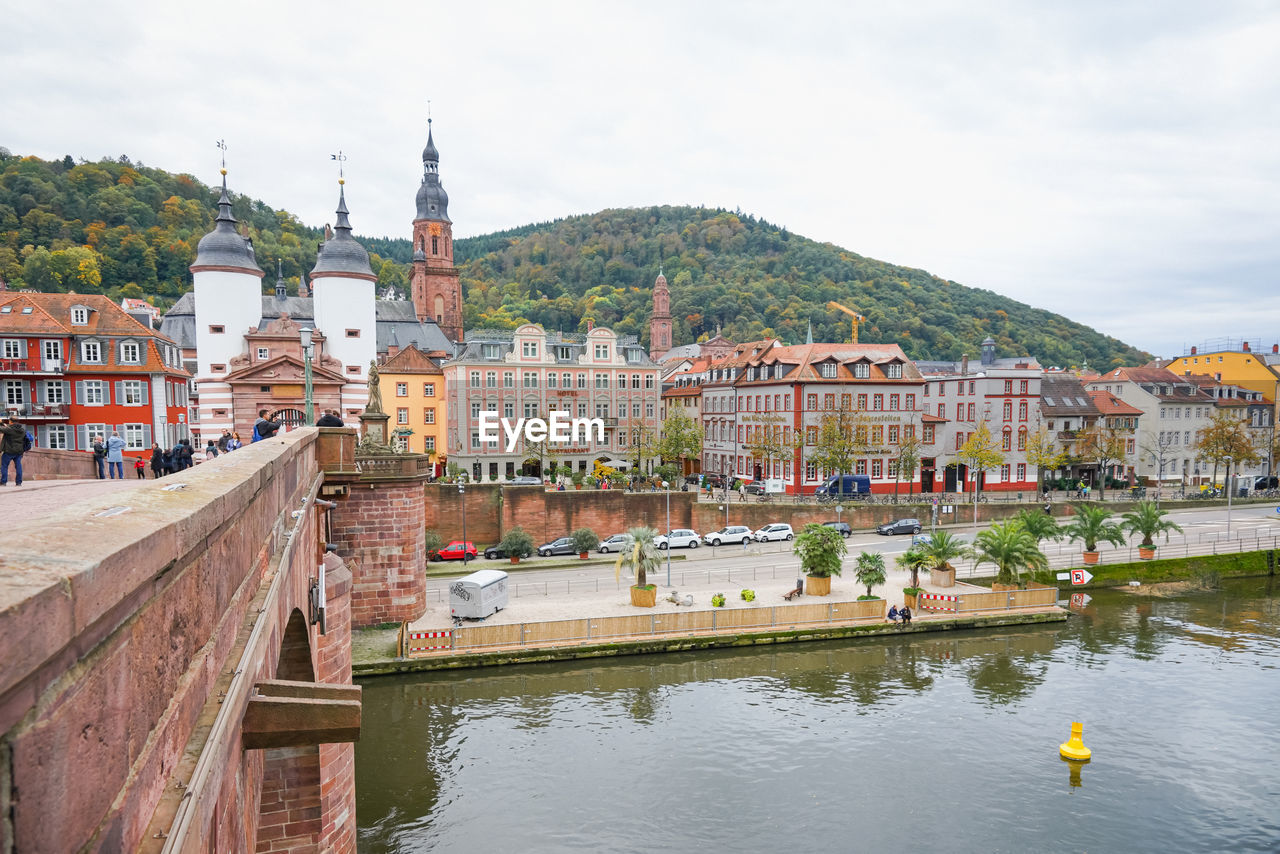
pixel 927 742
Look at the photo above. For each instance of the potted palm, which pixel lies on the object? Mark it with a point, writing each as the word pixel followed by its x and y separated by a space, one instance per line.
pixel 820 549
pixel 912 560
pixel 517 544
pixel 639 559
pixel 1148 520
pixel 1010 547
pixel 584 540
pixel 942 548
pixel 1040 525
pixel 576 477
pixel 1089 525
pixel 869 570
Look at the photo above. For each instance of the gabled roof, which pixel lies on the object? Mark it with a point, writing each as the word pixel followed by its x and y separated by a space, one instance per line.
pixel 805 358
pixel 284 368
pixel 1065 397
pixel 1109 404
pixel 410 360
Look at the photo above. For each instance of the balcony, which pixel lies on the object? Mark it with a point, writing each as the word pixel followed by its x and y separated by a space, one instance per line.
pixel 31 365
pixel 37 411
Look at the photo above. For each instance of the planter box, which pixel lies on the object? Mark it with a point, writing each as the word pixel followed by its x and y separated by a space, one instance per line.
pixel 643 598
pixel 1090 558
pixel 942 578
pixel 909 600
pixel 814 586
pixel 1145 553
pixel 997 587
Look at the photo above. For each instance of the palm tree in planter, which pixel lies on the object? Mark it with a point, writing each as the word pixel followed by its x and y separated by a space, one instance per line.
pixel 1040 525
pixel 869 570
pixel 640 559
pixel 517 544
pixel 912 560
pixel 821 550
pixel 1148 520
pixel 942 548
pixel 1010 547
pixel 584 540
pixel 1089 525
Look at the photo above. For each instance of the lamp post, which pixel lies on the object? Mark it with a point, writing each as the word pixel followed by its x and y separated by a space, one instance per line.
pixel 305 333
pixel 462 500
pixel 667 487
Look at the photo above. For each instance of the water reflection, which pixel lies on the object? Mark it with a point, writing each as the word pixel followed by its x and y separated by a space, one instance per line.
pixel 785 746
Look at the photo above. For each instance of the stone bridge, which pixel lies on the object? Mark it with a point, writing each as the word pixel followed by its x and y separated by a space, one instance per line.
pixel 177 657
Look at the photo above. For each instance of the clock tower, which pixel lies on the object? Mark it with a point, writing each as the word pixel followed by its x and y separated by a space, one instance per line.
pixel 437 293
pixel 660 322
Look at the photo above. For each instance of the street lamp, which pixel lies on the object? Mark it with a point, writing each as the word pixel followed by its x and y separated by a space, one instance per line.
pixel 305 334
pixel 462 500
pixel 667 487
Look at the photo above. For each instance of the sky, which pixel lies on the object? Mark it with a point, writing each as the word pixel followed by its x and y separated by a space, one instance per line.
pixel 1116 162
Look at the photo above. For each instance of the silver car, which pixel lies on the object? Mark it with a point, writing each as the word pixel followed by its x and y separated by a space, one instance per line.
pixel 616 543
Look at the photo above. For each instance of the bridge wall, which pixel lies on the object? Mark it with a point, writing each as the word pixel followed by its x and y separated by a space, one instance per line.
pixel 127 635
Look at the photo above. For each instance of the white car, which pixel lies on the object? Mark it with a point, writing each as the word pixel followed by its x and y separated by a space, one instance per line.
pixel 616 543
pixel 777 531
pixel 730 534
pixel 679 538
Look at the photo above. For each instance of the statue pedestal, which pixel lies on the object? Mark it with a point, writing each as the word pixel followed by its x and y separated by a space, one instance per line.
pixel 373 427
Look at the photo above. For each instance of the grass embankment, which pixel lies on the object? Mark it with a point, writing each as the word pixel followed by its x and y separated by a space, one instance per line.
pixel 1157 571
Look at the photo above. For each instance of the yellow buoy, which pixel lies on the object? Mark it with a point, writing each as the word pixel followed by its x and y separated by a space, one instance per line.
pixel 1073 748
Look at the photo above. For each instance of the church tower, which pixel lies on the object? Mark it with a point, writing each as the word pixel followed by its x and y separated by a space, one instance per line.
pixel 437 294
pixel 660 322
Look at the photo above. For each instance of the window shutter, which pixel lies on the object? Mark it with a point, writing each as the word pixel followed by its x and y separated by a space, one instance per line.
pixel 80 391
pixel 119 428
pixel 146 435
pixel 119 393
pixel 39 392
pixel 42 436
pixel 66 390
pixel 146 396
pixel 82 436
pixel 22 348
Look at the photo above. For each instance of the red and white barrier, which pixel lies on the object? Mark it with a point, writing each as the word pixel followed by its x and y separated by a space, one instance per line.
pixel 424 641
pixel 924 600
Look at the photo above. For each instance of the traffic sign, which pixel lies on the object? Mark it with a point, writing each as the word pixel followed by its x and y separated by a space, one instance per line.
pixel 1063 576
pixel 1081 576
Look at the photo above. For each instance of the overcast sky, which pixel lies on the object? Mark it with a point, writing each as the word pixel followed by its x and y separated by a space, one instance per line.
pixel 1117 162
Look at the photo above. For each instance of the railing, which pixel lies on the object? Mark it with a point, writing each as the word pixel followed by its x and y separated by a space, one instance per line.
pixel 32 366
pixel 37 410
pixel 716 620
pixel 394 465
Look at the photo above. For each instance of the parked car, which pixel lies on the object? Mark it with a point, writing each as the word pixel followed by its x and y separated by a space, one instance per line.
pixel 776 531
pixel 456 550
pixel 845 485
pixel 498 552
pixel 716 480
pixel 900 526
pixel 679 538
pixel 616 543
pixel 562 546
pixel 843 527
pixel 730 534
pixel 1265 482
pixel 755 487
pixel 526 480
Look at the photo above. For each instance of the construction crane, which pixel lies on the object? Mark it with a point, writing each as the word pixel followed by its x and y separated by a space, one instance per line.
pixel 857 318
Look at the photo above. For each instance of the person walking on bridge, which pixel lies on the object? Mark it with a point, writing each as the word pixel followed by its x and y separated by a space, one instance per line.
pixel 13 444
pixel 115 455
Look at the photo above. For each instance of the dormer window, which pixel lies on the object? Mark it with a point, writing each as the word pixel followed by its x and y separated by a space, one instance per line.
pixel 602 351
pixel 827 370
pixel 130 353
pixel 489 351
pixel 529 349
pixel 79 315
pixel 91 352
pixel 861 370
pixel 893 371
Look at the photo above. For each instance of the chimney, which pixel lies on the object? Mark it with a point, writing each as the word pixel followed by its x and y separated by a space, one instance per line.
pixel 964 365
pixel 1275 348
pixel 591 324
pixel 1193 351
pixel 1244 345
pixel 392 350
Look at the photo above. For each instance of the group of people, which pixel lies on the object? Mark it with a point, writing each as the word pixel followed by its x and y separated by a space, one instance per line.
pixel 900 616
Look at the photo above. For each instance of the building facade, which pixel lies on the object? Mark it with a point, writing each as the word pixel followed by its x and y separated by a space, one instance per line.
pixel 412 386
pixel 531 373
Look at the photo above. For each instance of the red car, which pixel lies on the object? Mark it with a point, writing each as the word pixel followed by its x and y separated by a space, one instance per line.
pixel 456 551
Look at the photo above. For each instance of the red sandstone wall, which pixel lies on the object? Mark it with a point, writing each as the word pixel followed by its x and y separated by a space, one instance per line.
pixel 119 638
pixel 46 464
pixel 378 529
pixel 337 761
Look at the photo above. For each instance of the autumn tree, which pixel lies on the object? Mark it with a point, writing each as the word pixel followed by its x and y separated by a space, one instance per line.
pixel 1159 451
pixel 681 437
pixel 981 453
pixel 1045 454
pixel 1226 442
pixel 910 448
pixel 767 439
pixel 1104 447
pixel 842 438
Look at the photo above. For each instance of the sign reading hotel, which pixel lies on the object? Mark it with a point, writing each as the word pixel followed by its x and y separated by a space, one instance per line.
pixel 559 430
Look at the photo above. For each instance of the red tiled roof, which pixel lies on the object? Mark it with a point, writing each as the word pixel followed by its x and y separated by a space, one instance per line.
pixel 1109 404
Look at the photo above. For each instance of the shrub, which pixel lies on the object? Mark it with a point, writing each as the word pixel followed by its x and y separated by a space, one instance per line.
pixel 748 595
pixel 432 543
pixel 585 539
pixel 717 601
pixel 517 543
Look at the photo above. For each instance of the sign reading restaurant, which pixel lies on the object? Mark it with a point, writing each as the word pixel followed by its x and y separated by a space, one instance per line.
pixel 559 430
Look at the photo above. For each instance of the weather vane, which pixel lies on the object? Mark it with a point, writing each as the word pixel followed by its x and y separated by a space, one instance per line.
pixel 222 146
pixel 341 158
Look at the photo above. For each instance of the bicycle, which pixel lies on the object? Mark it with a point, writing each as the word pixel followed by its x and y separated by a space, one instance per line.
pixel 801 499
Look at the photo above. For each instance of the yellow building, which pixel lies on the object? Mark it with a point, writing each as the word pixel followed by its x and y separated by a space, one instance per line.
pixel 412 387
pixel 1245 368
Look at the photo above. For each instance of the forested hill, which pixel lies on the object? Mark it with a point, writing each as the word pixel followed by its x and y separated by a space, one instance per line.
pixel 753 279
pixel 124 229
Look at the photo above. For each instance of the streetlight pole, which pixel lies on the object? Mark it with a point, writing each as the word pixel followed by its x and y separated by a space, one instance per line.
pixel 667 486
pixel 305 333
pixel 462 501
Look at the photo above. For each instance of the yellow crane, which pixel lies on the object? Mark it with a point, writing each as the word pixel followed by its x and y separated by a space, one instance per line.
pixel 857 318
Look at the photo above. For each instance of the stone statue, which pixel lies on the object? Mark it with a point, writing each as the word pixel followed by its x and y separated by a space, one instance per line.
pixel 375 391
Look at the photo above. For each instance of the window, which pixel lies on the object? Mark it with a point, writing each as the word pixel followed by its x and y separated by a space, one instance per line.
pixel 15 392
pixel 942 410
pixel 551 379
pixel 862 402
pixel 508 379
pixel 1022 439
pixel 353 369
pixel 811 435
pixel 635 410
pixel 57 436
pixel 811 402
pixel 490 351
pixel 602 351
pixel 12 348
pixel 429 443
pixel 475 409
pixel 1004 473
pixel 972 385
pixel 960 387
pixel 1022 389
pixel 491 379
pixel 846 402
pixel 53 350
pixel 529 349
pixel 353 333
pixel 402 415
pixel 130 393
pixel 877 402
pixel 894 430
pixel 94 392
pixel 810 471
pixel 1008 410
pixel 91 351
pixel 602 381
pixel 402 389
pixel 216 329
pixel 635 381
pixel 508 410
pixel 648 380
pixel 475 379
pixel 531 410
pixel 1022 411
pixel 530 379
pixel 877 435
pixel 893 370
pixel 877 468
pixel 263 354
pixel 861 370
pixel 582 410
pixel 927 434
pixel 1006 440
pixel 429 416
pixel 602 410
pixel 1022 471
pixel 828 402
pixel 53 392
pixel 827 370
pixel 893 402
pixel 428 389
pixel 1008 386
pixel 475 438
pixel 959 439
pixel 136 436
pixel 79 316
pixel 971 416
pixel 622 380
pixel 911 401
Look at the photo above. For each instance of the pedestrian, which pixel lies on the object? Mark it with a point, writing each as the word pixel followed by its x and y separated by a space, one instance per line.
pixel 175 455
pixel 187 454
pixel 167 460
pixel 157 460
pixel 264 428
pixel 99 457
pixel 742 491
pixel 210 450
pixel 893 613
pixel 115 455
pixel 223 440
pixel 140 467
pixel 905 614
pixel 13 444
pixel 1047 509
pixel 234 442
pixel 330 419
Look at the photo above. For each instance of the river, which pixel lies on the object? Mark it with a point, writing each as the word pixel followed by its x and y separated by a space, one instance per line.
pixel 926 742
